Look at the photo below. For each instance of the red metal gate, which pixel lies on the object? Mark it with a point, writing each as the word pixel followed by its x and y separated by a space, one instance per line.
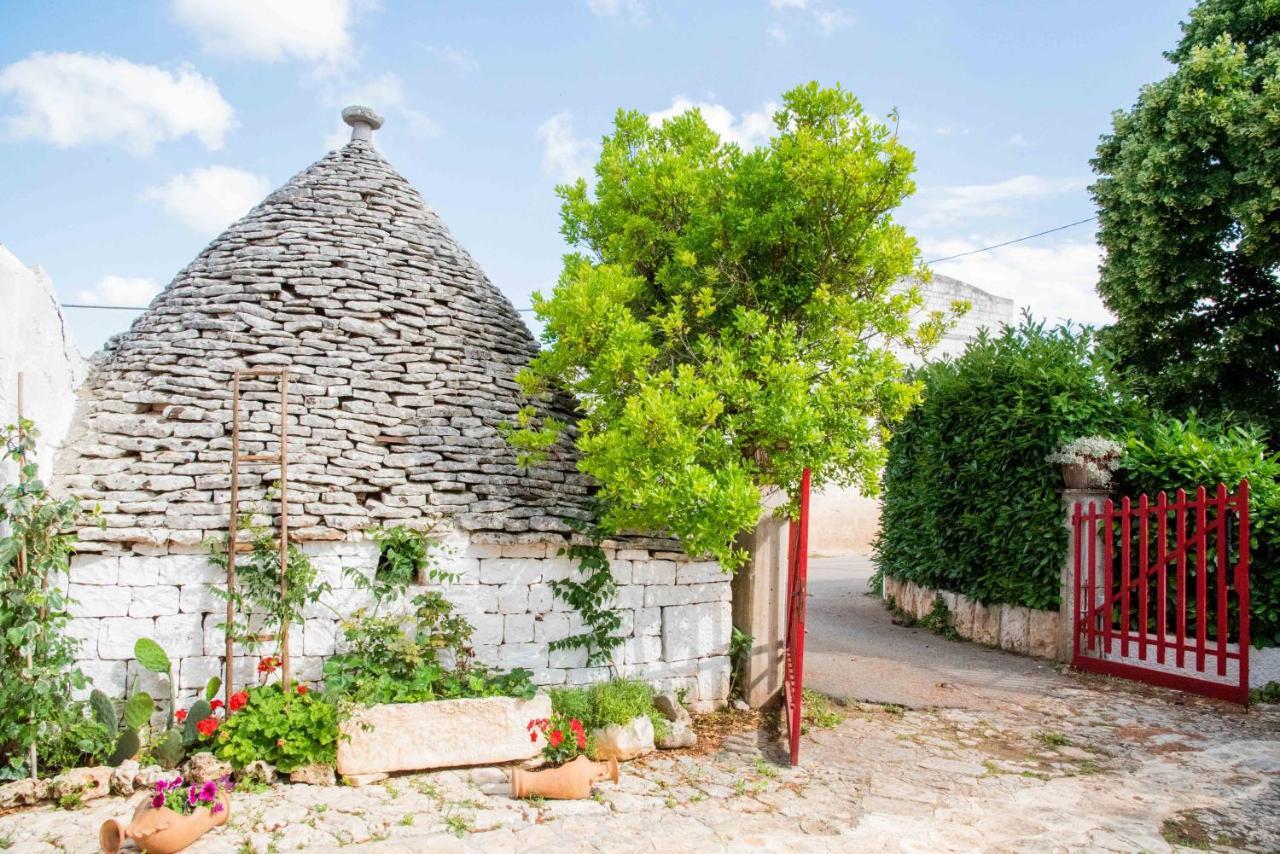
pixel 1180 618
pixel 797 591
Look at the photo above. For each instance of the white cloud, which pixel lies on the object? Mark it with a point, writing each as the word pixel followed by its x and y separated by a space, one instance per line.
pixel 1018 141
pixel 386 94
pixel 750 131
pixel 70 99
pixel 271 30
pixel 565 155
pixel 209 199
pixel 1055 279
pixel 119 290
pixel 949 130
pixel 830 20
pixel 455 56
pixel 778 33
pixel 955 206
pixel 826 18
pixel 633 10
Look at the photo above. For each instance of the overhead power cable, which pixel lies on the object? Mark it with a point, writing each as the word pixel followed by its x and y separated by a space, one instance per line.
pixel 933 261
pixel 1011 242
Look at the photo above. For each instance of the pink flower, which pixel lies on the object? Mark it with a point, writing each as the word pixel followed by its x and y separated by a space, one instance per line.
pixel 157 801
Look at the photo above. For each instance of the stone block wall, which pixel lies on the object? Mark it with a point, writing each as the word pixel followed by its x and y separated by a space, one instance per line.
pixel 1010 627
pixel 675 615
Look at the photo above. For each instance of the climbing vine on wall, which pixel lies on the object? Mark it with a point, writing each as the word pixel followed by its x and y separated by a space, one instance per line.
pixel 591 597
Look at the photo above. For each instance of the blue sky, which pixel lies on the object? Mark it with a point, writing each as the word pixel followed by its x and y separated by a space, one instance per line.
pixel 131 133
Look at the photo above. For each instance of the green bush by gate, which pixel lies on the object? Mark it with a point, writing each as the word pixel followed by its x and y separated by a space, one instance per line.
pixel 970 505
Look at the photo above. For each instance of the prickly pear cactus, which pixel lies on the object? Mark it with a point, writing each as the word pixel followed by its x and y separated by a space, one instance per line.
pixel 199 711
pixel 127 747
pixel 169 750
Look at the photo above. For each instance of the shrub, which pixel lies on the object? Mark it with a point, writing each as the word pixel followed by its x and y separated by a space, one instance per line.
pixel 1169 454
pixel 614 702
pixel 970 505
pixel 287 730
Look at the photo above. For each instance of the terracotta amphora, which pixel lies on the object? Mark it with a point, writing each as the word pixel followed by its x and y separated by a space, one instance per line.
pixel 162 831
pixel 570 781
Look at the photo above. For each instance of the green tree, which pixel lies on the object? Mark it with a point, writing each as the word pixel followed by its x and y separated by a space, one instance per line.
pixel 1189 210
pixel 729 315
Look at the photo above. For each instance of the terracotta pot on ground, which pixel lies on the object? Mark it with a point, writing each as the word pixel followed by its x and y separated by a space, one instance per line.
pixel 570 781
pixel 162 831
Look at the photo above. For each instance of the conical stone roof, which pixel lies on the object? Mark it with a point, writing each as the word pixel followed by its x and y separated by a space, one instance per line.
pixel 402 356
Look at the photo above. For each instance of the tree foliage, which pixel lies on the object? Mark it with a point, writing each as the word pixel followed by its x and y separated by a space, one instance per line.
pixel 1189 210
pixel 728 316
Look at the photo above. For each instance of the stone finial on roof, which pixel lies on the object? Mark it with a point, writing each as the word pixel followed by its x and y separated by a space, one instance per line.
pixel 363 120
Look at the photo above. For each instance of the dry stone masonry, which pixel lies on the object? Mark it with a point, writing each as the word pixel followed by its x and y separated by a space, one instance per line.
pixel 402 358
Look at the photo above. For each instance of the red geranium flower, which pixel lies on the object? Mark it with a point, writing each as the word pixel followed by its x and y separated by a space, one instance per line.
pixel 215 705
pixel 207 726
pixel 181 715
pixel 557 738
pixel 239 700
pixel 533 736
pixel 302 689
pixel 268 664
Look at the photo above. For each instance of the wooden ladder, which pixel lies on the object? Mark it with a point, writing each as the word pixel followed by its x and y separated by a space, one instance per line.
pixel 233 544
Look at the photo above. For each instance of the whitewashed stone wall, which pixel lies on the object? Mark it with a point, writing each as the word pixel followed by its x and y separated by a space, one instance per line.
pixel 35 340
pixel 675 615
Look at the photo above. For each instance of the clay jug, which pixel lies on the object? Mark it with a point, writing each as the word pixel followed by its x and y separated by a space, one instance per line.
pixel 570 781
pixel 162 831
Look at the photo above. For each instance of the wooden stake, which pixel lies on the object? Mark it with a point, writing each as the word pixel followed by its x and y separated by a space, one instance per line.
pixel 229 682
pixel 32 756
pixel 284 527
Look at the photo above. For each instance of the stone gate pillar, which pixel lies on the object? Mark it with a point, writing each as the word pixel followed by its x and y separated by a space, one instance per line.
pixel 1066 596
pixel 760 602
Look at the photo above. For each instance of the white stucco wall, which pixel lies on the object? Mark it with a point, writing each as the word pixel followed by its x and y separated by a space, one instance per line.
pixel 35 340
pixel 842 521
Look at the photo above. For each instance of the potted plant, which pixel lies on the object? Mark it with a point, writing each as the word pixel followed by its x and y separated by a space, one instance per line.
pixel 565 748
pixel 177 814
pixel 1087 462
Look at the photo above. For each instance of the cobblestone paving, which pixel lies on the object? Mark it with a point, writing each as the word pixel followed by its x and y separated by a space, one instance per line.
pixel 1096 765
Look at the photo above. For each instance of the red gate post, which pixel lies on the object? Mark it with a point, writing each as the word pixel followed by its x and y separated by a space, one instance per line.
pixel 797 591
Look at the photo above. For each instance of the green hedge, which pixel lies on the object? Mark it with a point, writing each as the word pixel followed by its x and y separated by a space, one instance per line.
pixel 1168 454
pixel 970 505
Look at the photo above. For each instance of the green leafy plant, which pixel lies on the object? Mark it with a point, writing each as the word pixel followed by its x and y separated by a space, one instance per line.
pixel 261 610
pixel 564 738
pixel 396 657
pixel 939 620
pixel 591 598
pixel 1167 454
pixel 37 659
pixel 739 653
pixel 730 316
pixel 616 701
pixel 970 505
pixel 288 730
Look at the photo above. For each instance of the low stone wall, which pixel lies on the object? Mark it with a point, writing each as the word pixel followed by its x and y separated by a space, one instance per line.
pixel 1023 630
pixel 675 615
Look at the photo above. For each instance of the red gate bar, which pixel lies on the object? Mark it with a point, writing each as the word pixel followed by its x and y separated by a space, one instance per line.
pixel 1201 643
pixel 797 591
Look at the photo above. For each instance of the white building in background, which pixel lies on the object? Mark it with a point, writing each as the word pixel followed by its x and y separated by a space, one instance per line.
pixel 35 341
pixel 842 521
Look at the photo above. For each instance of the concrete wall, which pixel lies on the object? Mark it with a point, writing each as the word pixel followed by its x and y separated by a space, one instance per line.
pixel 675 615
pixel 34 340
pixel 843 521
